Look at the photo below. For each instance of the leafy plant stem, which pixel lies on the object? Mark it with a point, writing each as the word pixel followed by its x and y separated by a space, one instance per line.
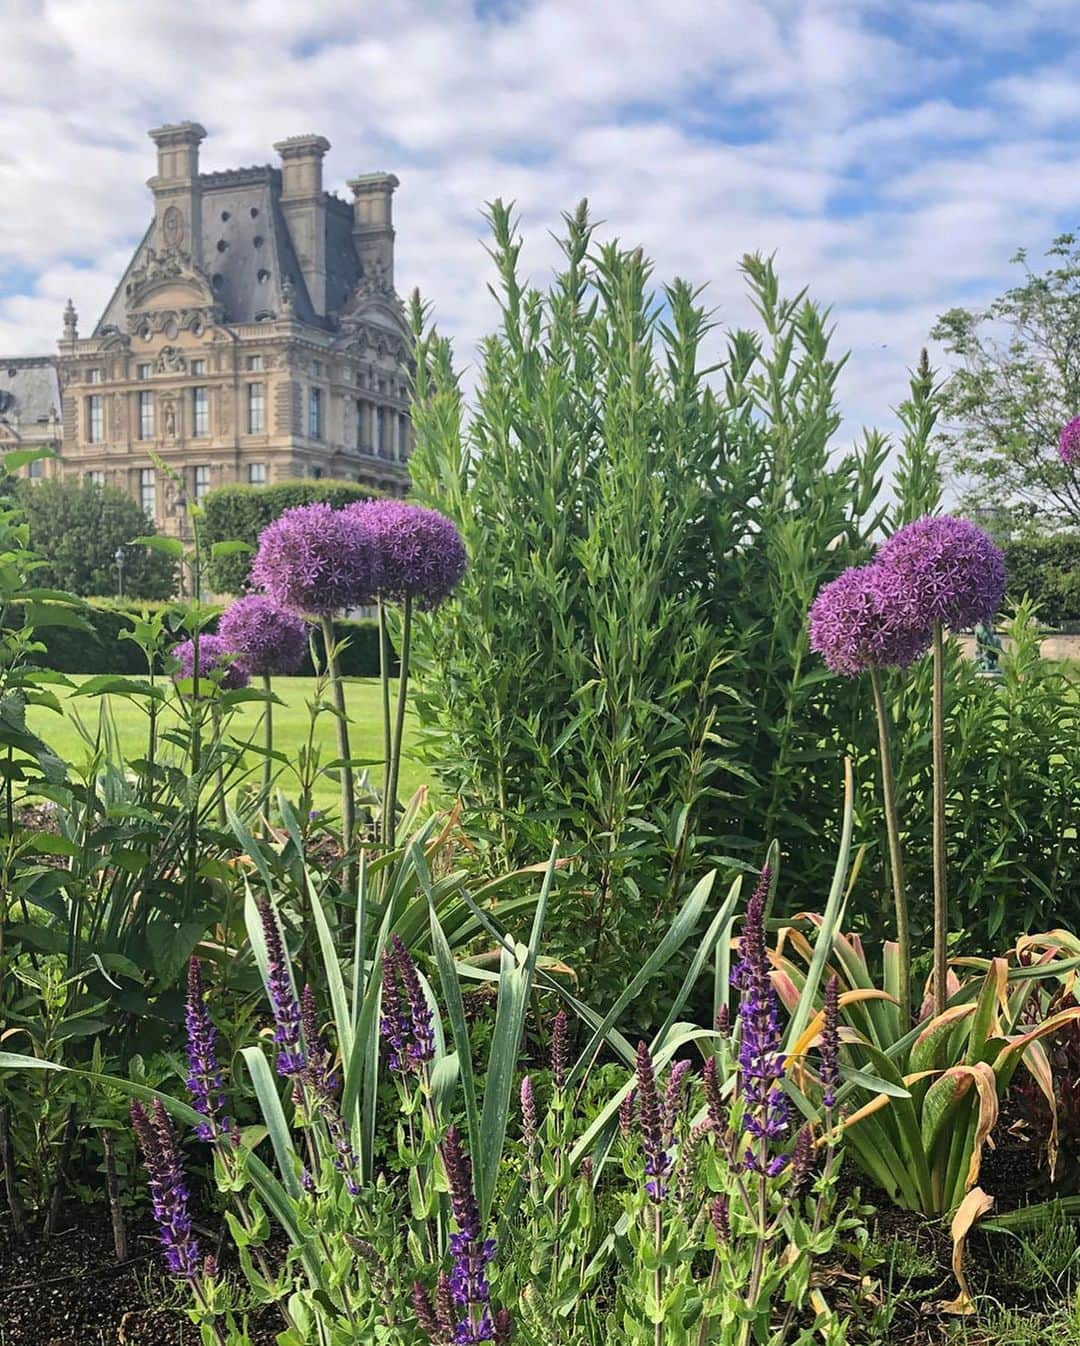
pixel 348 800
pixel 384 680
pixel 268 740
pixel 390 803
pixel 896 859
pixel 941 902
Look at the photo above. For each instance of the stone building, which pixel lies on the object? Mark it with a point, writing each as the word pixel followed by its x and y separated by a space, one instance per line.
pixel 255 336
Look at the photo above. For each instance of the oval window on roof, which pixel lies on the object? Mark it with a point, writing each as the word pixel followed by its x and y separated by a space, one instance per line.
pixel 258 240
pixel 263 275
pixel 219 280
pixel 222 245
pixel 224 215
pixel 254 212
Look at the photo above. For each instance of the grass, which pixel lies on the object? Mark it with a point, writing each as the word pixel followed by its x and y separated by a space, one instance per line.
pixel 62 734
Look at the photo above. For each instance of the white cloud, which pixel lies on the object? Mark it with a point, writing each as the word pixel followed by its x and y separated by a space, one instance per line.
pixel 893 166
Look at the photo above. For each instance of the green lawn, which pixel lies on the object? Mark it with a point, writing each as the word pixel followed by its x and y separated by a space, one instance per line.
pixel 290 731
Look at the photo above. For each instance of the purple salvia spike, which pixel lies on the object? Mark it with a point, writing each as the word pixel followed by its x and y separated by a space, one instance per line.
pixel 504 1328
pixel 651 1125
pixel 393 1026
pixel 425 1314
pixel 675 1097
pixel 290 1061
pixel 468 1285
pixel 560 1050
pixel 422 1046
pixel 319 1073
pixel 168 1190
pixel 713 1098
pixel 444 1308
pixel 528 1116
pixel 718 1216
pixel 801 1156
pixel 204 1081
pixel 830 1044
pixel 626 1114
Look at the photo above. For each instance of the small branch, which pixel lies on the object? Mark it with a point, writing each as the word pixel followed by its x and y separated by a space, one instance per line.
pixel 116 1213
pixel 11 1185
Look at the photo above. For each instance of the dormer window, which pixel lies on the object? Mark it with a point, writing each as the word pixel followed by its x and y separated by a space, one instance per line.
pixel 93 376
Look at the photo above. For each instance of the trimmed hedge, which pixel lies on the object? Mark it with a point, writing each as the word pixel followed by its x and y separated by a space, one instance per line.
pixel 1048 569
pixel 240 513
pixel 103 650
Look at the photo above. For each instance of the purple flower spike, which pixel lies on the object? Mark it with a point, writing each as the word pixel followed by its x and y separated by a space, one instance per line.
pixel 761 1063
pixel 674 1097
pixel 856 623
pixel 942 570
pixel 468 1284
pixel 290 1061
pixel 204 1081
pixel 319 1072
pixel 528 1116
pixel 168 1190
pixel 266 638
pixel 1069 442
pixel 316 559
pixel 392 1024
pixel 627 1109
pixel 214 663
pixel 713 1099
pixel 420 552
pixel 720 1219
pixel 651 1122
pixel 560 1049
pixel 830 1044
pixel 422 1046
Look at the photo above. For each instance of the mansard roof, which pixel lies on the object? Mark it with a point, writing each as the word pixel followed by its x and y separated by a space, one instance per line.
pixel 248 254
pixel 29 390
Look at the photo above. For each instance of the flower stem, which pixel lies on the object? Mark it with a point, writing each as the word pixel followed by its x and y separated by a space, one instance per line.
pixel 268 742
pixel 390 803
pixel 384 679
pixel 348 800
pixel 941 901
pixel 896 860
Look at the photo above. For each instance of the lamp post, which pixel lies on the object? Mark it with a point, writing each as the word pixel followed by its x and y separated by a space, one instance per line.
pixel 118 557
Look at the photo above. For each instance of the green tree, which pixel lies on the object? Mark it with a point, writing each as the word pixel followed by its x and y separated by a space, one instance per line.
pixel 77 527
pixel 1016 383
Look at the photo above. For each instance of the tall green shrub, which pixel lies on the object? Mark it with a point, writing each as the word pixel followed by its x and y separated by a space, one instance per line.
pixel 626 666
pixel 1047 570
pixel 240 513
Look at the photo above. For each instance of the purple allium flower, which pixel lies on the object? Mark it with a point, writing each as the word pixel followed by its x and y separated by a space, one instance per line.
pixel 1069 442
pixel 829 1048
pixel 421 554
pixel 468 1284
pixel 316 559
pixel 942 570
pixel 214 663
pixel 560 1049
pixel 422 1046
pixel 720 1219
pixel 266 638
pixel 204 1081
pixel 856 625
pixel 528 1116
pixel 651 1122
pixel 168 1190
pixel 290 1061
pixel 761 1063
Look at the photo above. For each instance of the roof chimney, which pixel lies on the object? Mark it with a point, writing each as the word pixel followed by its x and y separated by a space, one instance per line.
pixel 177 204
pixel 304 209
pixel 373 228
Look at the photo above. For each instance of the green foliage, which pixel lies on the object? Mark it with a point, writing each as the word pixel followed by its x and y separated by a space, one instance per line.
pixel 104 648
pixel 626 662
pixel 77 527
pixel 1017 383
pixel 240 513
pixel 1046 569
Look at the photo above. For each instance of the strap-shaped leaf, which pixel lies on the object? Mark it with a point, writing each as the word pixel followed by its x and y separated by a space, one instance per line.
pixel 274 1117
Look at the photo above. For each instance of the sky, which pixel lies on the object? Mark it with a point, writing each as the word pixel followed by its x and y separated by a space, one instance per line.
pixel 893 157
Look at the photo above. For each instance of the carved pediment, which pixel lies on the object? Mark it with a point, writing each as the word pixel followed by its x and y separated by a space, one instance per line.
pixel 168 279
pixel 366 339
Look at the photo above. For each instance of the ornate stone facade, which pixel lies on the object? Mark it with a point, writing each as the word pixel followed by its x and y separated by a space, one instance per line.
pixel 255 336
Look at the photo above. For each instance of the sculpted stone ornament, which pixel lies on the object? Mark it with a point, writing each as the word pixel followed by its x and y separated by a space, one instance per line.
pixel 288 298
pixel 169 412
pixel 172 228
pixel 170 361
pixel 71 322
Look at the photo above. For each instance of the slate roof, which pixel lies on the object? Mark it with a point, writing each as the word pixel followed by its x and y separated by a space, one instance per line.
pixel 248 254
pixel 29 390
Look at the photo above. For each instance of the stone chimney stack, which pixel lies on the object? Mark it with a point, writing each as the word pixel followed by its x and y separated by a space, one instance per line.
pixel 177 203
pixel 304 209
pixel 373 227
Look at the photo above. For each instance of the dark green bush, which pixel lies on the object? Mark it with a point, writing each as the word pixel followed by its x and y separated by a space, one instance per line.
pixel 77 527
pixel 105 650
pixel 1047 569
pixel 240 513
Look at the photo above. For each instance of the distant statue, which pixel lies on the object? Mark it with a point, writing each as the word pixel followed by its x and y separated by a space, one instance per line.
pixel 170 421
pixel 71 322
pixel 988 649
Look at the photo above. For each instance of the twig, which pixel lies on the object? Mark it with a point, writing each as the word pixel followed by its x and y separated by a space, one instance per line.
pixel 56 1196
pixel 116 1213
pixel 11 1187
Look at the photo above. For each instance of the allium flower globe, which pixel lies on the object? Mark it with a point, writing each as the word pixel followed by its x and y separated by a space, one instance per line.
pixel 942 570
pixel 316 559
pixel 421 554
pixel 1069 442
pixel 856 624
pixel 214 663
pixel 266 638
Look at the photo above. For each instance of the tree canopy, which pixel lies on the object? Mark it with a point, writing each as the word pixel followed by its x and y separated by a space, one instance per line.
pixel 1017 382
